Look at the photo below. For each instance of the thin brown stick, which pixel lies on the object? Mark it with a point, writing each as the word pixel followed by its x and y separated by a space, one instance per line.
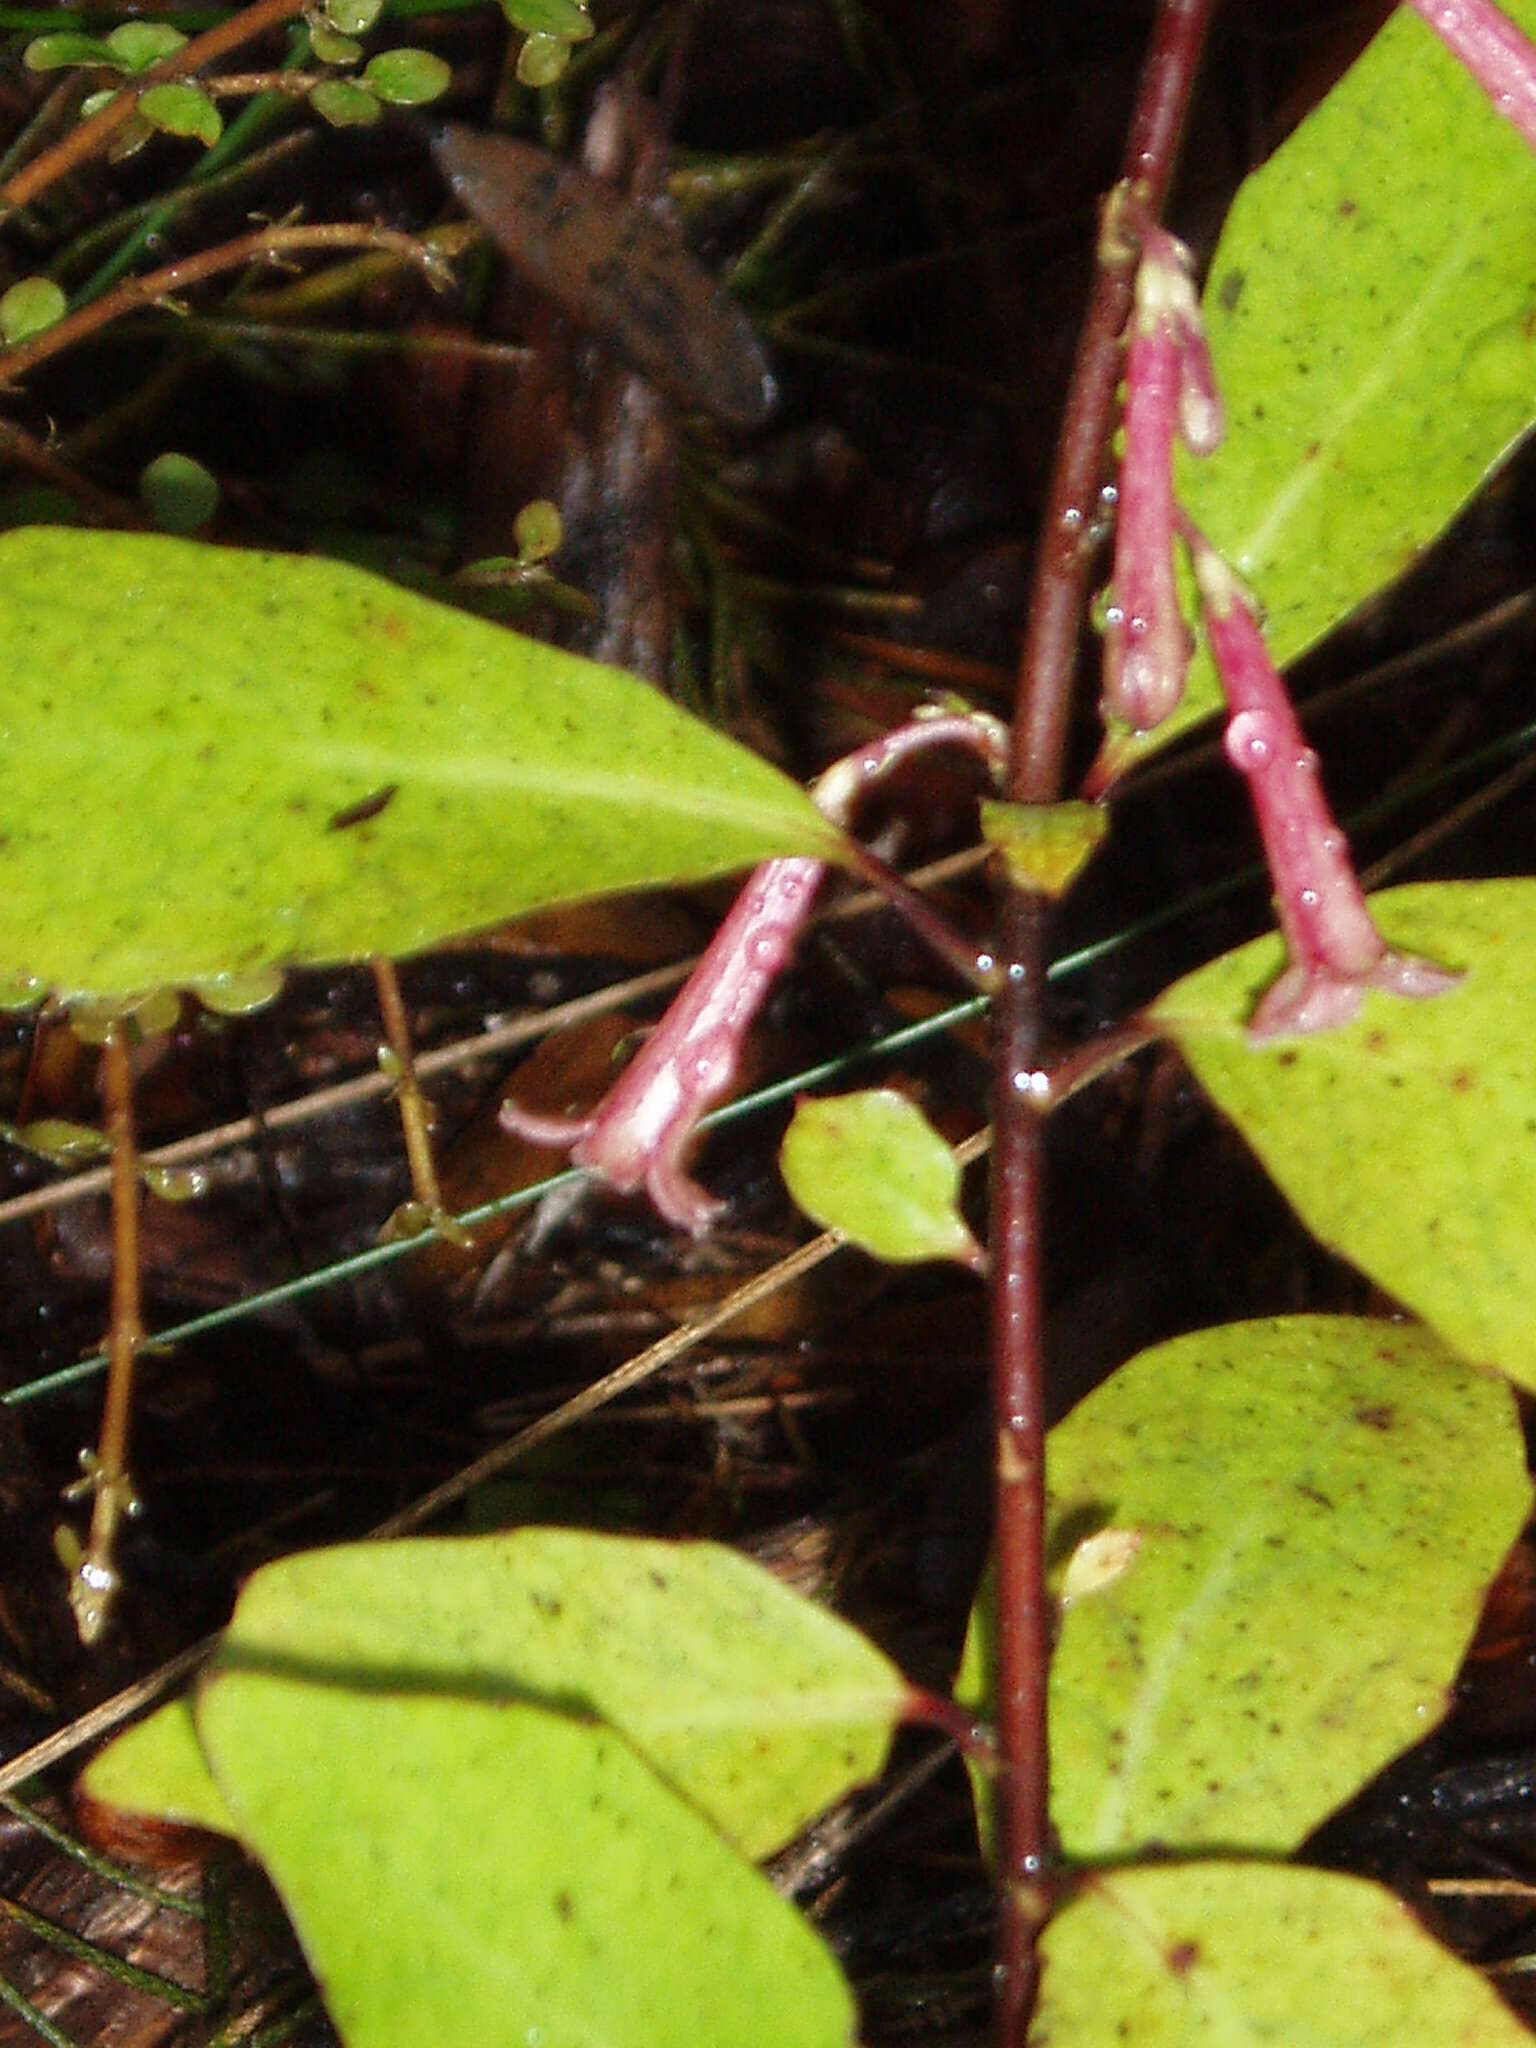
pixel 265 245
pixel 28 453
pixel 82 143
pixel 96 1578
pixel 1046 666
pixel 415 1116
pixel 100 1720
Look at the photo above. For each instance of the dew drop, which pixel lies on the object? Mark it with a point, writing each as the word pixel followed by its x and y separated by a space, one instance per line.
pixel 1072 519
pixel 1252 741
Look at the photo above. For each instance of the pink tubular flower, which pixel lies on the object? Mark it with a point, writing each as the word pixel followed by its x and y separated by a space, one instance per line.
pixel 1169 388
pixel 1499 55
pixel 1336 952
pixel 639 1132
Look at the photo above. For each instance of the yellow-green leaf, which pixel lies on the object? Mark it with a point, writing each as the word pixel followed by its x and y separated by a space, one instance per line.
pixel 1229 1955
pixel 872 1166
pixel 30 305
pixel 757 1705
pixel 466 1872
pixel 1407 1139
pixel 244 761
pixel 1307 1514
pixel 158 1768
pixel 1045 846
pixel 182 110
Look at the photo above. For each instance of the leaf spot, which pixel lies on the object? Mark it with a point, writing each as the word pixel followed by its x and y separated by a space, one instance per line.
pixel 367 807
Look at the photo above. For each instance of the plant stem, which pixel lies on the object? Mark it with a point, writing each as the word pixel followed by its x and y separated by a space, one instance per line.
pixel 81 143
pixel 96 1579
pixel 415 1116
pixel 265 245
pixel 1039 742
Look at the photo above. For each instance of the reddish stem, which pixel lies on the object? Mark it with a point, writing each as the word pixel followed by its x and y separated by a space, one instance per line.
pixel 1039 741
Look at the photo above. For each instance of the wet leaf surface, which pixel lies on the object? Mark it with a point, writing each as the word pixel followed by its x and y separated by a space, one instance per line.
pixel 522 1872
pixel 246 760
pixel 761 1708
pixel 872 1166
pixel 1255 1661
pixel 1404 1139
pixel 1223 1955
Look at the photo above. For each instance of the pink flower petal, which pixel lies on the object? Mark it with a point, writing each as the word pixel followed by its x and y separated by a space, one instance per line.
pixel 1336 952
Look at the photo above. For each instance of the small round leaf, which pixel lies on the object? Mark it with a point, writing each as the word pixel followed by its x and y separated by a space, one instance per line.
pixel 537 531
pixel 344 103
pixel 407 78
pixel 136 45
pixel 1224 1955
pixel 329 48
pixel 542 60
pixel 1045 847
pixel 182 110
pixel 31 304
pixel 58 52
pixel 351 17
pixel 178 493
pixel 567 21
pixel 873 1167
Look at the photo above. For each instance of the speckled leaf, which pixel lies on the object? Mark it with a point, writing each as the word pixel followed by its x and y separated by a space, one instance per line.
pixel 1406 1140
pixel 1322 1503
pixel 1370 309
pixel 1227 1955
pixel 872 1166
pixel 757 1705
pixel 219 761
pixel 469 1872
pixel 157 1768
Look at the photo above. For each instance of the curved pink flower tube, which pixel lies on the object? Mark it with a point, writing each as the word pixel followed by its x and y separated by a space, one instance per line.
pixel 1336 952
pixel 638 1134
pixel 1170 389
